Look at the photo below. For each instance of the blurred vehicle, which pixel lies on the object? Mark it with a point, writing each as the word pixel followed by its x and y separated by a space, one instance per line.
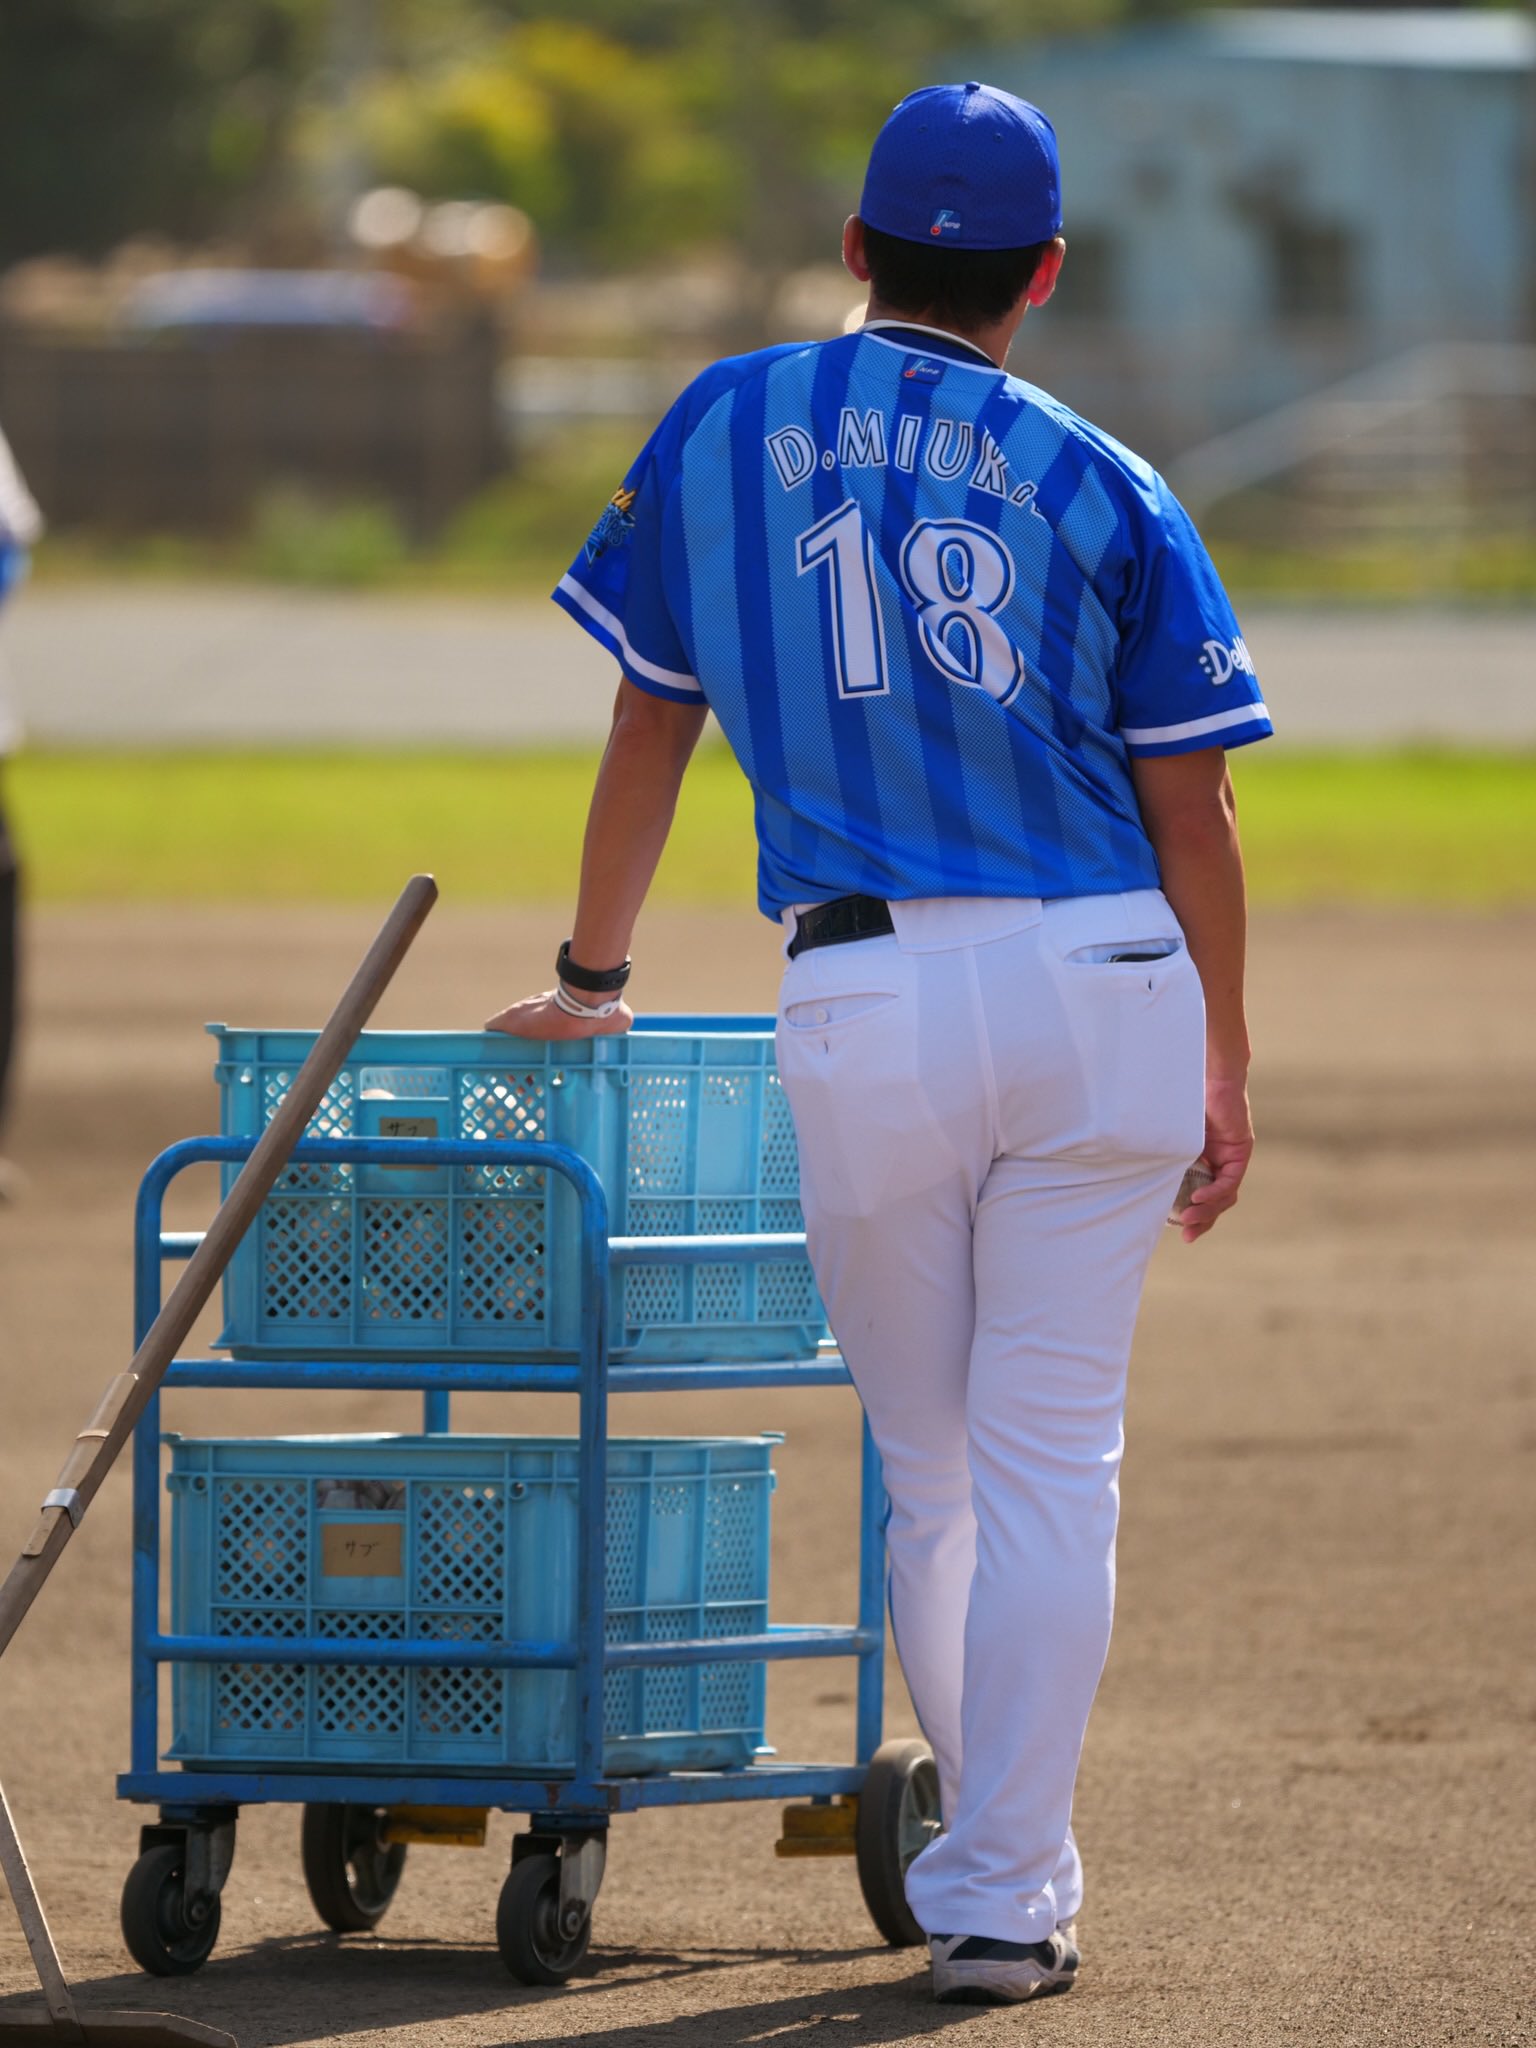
pixel 187 300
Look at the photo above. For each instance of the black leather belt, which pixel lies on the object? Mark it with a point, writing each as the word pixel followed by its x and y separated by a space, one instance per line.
pixel 839 922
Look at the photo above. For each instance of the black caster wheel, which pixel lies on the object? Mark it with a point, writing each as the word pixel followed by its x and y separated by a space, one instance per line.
pixel 898 1815
pixel 167 1933
pixel 534 1946
pixel 351 1871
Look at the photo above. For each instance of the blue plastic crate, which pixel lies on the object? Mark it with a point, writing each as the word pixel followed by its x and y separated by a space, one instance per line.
pixel 688 1130
pixel 470 1539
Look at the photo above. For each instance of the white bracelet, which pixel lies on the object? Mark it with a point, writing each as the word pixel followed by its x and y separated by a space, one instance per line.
pixel 574 1009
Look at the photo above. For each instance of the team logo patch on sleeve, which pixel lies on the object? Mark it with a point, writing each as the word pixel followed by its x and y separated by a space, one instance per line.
pixel 615 527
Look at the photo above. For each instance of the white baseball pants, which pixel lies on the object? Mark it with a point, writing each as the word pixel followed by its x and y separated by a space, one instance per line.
pixel 993 1118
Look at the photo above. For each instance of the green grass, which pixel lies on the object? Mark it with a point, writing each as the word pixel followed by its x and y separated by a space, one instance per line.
pixel 1420 827
pixel 1413 828
pixel 342 828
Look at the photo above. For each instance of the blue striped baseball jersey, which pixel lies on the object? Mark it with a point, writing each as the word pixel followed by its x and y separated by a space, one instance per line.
pixel 933 610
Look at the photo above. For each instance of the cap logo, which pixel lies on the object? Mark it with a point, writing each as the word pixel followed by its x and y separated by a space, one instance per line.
pixel 945 223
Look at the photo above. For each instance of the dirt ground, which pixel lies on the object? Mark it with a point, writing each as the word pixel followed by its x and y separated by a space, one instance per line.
pixel 1309 1788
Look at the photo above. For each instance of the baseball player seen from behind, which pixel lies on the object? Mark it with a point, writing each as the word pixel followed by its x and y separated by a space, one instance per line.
pixel 980 674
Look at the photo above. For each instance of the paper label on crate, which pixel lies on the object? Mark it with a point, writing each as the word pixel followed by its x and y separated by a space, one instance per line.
pixel 362 1550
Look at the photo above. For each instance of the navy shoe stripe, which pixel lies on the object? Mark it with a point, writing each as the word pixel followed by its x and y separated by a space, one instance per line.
pixel 979 1948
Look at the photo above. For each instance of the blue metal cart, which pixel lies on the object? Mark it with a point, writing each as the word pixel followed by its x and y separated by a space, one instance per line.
pixel 881 1807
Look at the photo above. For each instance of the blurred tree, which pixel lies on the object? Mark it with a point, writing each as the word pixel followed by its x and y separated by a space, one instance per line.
pixel 123 115
pixel 652 125
pixel 626 128
pixel 608 147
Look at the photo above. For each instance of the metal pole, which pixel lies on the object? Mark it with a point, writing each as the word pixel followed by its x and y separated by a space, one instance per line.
pixel 592 1481
pixel 870 1710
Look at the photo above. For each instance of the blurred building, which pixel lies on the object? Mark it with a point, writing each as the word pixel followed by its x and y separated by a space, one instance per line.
pixel 1261 203
pixel 218 388
pixel 163 392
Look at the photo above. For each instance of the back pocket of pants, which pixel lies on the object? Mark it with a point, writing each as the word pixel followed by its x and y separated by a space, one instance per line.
pixel 866 1133
pixel 1139 1030
pixel 829 1014
pixel 1126 953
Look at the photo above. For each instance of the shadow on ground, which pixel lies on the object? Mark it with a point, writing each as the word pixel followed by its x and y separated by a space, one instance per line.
pixel 317 1988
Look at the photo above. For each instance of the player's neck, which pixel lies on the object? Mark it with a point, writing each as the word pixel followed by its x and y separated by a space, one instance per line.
pixel 994 340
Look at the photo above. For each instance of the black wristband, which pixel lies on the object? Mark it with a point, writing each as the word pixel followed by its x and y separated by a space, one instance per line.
pixel 592 981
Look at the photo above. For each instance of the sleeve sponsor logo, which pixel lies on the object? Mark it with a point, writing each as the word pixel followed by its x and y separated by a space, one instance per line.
pixel 1222 662
pixel 613 530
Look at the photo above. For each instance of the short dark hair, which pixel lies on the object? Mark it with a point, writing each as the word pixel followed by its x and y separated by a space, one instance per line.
pixel 963 288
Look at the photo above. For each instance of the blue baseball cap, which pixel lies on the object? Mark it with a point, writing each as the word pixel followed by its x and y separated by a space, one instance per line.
pixel 964 167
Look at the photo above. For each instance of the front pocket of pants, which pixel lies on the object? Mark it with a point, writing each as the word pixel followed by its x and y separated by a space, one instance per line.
pixel 866 1132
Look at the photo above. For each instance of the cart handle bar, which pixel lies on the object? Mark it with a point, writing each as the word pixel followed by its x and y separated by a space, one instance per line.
pixel 747 1248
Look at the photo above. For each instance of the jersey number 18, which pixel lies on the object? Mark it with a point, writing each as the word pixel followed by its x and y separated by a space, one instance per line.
pixel 958 577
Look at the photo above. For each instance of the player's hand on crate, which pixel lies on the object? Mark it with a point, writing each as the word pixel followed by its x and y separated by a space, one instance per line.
pixel 542 1017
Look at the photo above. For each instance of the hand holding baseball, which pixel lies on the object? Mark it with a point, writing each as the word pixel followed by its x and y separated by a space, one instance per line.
pixel 1228 1148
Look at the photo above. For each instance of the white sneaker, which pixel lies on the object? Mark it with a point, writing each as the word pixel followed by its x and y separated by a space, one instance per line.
pixel 973 1969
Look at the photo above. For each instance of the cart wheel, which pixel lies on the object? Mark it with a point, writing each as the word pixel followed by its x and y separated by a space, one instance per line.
pixel 898 1815
pixel 167 1933
pixel 351 1871
pixel 528 1924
